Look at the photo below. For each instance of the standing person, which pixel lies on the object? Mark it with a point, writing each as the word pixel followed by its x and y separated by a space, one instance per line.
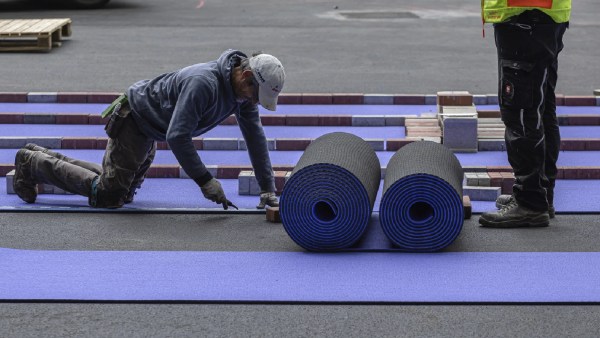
pixel 528 37
pixel 173 107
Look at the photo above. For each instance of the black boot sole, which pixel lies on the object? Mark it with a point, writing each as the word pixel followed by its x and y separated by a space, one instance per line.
pixel 532 222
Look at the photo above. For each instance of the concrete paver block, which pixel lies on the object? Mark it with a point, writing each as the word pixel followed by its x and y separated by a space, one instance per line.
pixel 242 144
pixel 220 143
pixel 9 182
pixel 394 120
pixel 368 120
pixel 42 97
pixel 482 193
pixel 378 99
pixel 244 182
pixel 39 118
pixel 254 189
pixel 460 134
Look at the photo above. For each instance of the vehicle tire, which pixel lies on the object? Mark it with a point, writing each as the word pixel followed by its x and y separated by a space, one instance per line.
pixel 85 4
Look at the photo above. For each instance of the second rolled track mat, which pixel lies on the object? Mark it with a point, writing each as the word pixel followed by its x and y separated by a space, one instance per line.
pixel 328 200
pixel 421 208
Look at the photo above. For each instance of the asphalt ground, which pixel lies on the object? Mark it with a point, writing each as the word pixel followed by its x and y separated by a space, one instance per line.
pixel 442 50
pixel 322 52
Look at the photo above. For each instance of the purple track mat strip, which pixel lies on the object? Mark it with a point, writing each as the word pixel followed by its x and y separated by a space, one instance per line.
pixel 168 195
pixel 465 277
pixel 572 164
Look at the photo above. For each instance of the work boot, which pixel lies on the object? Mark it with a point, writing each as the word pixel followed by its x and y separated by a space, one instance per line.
pixel 23 183
pixel 513 215
pixel 503 200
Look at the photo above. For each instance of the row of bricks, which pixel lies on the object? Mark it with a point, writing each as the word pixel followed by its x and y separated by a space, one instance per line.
pixel 284 120
pixel 280 144
pixel 233 171
pixel 564 172
pixel 502 180
pixel 247 184
pixel 266 120
pixel 299 98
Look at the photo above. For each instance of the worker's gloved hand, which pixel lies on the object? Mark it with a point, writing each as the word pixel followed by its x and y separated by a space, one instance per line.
pixel 267 198
pixel 213 191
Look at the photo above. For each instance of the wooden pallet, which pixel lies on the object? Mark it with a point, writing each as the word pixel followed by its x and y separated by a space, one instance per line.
pixel 32 34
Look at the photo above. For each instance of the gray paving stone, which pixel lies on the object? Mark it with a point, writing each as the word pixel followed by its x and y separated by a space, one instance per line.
pixel 482 193
pixel 483 179
pixel 42 97
pixel 460 134
pixel 244 182
pixel 254 187
pixel 242 144
pixel 368 120
pixel 471 179
pixel 12 142
pixel 492 99
pixel 46 142
pixel 395 120
pixel 35 118
pixel 480 99
pixel 9 182
pixel 431 99
pixel 376 144
pixel 220 143
pixel 378 99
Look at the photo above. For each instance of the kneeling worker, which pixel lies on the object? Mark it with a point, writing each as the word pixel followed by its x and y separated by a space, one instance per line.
pixel 173 107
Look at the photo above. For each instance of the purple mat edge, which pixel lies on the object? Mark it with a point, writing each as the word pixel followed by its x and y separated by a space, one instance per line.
pixel 495 277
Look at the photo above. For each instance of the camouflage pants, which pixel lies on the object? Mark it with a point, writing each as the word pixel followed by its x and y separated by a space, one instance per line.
pixel 127 158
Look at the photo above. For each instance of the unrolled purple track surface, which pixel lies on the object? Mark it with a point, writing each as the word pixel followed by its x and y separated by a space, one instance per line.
pixel 174 193
pixel 465 277
pixel 240 157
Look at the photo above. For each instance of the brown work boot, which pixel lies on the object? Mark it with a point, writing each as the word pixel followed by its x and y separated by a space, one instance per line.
pixel 503 200
pixel 513 215
pixel 23 184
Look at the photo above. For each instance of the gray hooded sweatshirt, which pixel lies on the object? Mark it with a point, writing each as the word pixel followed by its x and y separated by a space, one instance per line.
pixel 177 106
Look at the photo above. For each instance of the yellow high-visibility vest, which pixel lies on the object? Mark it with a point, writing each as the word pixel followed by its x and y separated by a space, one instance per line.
pixel 494 11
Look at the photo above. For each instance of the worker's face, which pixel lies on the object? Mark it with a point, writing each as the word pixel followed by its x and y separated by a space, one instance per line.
pixel 247 88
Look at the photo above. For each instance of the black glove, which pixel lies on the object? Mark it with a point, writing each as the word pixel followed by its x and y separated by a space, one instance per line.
pixel 213 191
pixel 267 198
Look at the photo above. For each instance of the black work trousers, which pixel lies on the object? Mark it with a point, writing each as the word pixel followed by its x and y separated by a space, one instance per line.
pixel 528 49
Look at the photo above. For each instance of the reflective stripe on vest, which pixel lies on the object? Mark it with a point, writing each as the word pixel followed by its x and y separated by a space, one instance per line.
pixel 530 3
pixel 494 11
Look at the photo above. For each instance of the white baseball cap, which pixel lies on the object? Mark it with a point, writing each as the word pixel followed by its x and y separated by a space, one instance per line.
pixel 269 74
